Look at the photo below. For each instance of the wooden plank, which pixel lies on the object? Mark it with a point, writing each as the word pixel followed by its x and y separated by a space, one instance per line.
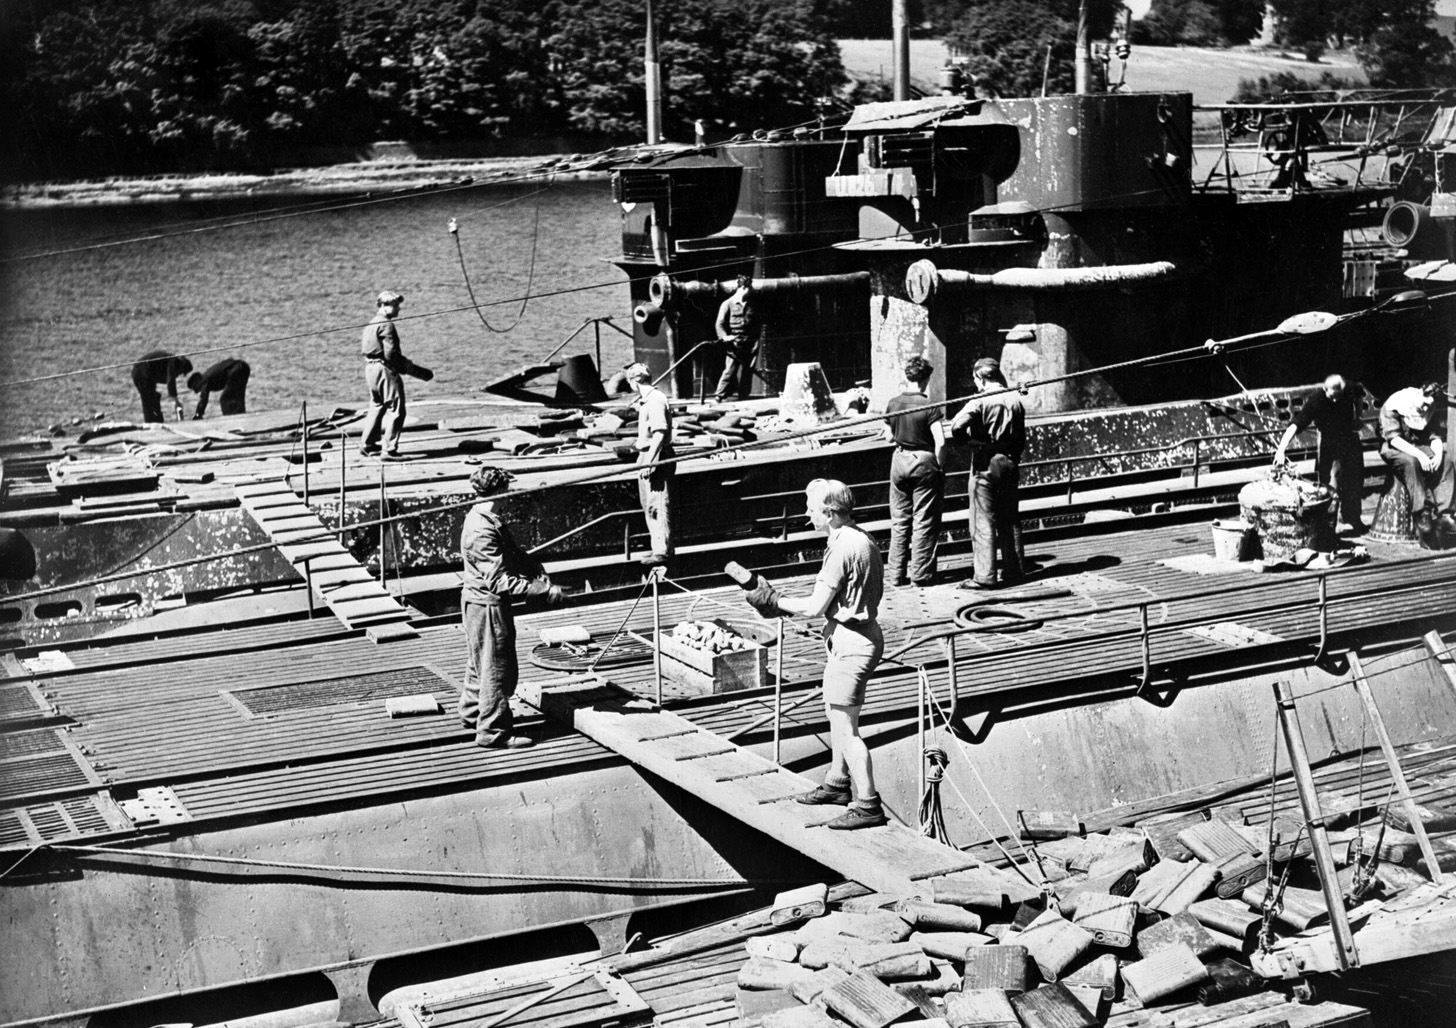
pixel 887 859
pixel 1392 761
pixel 1442 655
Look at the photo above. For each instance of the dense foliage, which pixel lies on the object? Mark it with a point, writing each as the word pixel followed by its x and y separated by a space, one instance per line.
pixel 1201 22
pixel 125 85
pixel 1015 47
pixel 1394 40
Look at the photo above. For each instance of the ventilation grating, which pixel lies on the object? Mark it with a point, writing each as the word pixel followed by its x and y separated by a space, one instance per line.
pixel 332 692
pixel 51 772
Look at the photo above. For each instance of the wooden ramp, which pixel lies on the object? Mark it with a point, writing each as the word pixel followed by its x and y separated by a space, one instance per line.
pixel 891 859
pixel 335 576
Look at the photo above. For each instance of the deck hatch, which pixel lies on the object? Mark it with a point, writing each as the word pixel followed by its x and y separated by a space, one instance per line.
pixel 50 772
pixel 65 819
pixel 20 703
pixel 28 744
pixel 333 692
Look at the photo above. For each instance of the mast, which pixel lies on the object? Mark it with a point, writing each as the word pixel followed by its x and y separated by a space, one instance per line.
pixel 900 30
pixel 1082 68
pixel 653 81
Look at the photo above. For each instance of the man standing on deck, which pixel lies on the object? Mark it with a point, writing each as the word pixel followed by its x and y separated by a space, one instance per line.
pixel 1334 411
pixel 996 427
pixel 383 364
pixel 1413 447
pixel 738 327
pixel 654 445
pixel 496 570
pixel 158 367
pixel 847 594
pixel 229 379
pixel 917 477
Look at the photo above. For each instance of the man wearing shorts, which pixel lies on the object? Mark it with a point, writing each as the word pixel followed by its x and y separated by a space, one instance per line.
pixel 847 594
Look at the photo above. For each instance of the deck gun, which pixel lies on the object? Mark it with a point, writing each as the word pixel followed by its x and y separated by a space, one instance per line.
pixel 761 596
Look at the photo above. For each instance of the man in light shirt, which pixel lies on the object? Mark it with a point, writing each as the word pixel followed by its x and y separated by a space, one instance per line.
pixel 1413 447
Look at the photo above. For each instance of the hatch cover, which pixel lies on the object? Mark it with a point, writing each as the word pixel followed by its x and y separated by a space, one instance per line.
pixel 28 744
pixel 65 819
pixel 21 703
pixel 50 772
pixel 332 692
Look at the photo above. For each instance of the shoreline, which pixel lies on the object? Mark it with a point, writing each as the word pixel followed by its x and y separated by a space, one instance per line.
pixel 354 178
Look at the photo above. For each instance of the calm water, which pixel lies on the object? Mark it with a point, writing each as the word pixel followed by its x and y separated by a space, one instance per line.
pixel 289 295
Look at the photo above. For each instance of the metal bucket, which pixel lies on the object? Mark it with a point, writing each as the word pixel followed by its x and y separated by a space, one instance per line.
pixel 1231 540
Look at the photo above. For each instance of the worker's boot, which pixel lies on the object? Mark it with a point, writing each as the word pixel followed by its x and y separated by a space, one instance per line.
pixel 1428 530
pixel 837 793
pixel 861 814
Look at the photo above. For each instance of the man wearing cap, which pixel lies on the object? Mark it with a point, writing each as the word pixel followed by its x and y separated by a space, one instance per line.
pixel 229 379
pixel 158 367
pixel 738 328
pixel 383 364
pixel 847 594
pixel 1413 447
pixel 654 445
pixel 1335 412
pixel 996 427
pixel 496 570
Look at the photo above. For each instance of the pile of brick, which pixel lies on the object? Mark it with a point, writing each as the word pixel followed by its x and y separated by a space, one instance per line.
pixel 1165 913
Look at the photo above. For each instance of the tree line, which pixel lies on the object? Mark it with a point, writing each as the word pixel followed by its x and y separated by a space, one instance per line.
pixel 128 86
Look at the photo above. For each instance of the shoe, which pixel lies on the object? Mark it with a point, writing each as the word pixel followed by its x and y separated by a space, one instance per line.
pixel 1354 528
pixel 971 583
pixel 900 582
pixel 369 453
pixel 393 456
pixel 825 794
pixel 508 742
pixel 1428 534
pixel 922 583
pixel 858 817
pixel 654 560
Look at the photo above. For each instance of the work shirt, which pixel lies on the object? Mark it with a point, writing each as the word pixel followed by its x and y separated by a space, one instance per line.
pixel 216 378
pixel 380 341
pixel 1331 417
pixel 494 565
pixel 158 367
pixel 742 319
pixel 655 416
pixel 854 572
pixel 1400 415
pixel 996 425
pixel 911 431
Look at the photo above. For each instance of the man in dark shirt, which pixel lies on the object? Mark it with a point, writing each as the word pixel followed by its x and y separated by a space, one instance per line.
pixel 229 379
pixel 996 427
pixel 158 367
pixel 917 477
pixel 496 572
pixel 738 327
pixel 1334 411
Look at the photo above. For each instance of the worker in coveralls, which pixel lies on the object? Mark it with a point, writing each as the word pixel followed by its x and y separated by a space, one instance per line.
pixel 158 367
pixel 229 379
pixel 1335 412
pixel 738 327
pixel 654 445
pixel 496 572
pixel 995 426
pixel 383 364
pixel 917 477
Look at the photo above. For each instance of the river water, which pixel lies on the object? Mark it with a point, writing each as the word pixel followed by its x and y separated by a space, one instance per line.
pixel 289 293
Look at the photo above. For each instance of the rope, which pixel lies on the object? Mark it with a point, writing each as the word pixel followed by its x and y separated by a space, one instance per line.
pixel 401 872
pixel 932 817
pixel 530 273
pixel 621 627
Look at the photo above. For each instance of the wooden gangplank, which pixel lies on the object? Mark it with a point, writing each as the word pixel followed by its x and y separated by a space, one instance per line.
pixel 333 574
pixel 891 859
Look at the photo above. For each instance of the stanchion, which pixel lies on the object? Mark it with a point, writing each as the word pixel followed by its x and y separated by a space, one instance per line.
pixel 383 528
pixel 308 583
pixel 303 417
pixel 779 692
pixel 920 682
pixel 655 574
pixel 343 476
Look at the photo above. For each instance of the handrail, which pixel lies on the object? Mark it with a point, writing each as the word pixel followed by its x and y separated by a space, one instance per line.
pixel 627 547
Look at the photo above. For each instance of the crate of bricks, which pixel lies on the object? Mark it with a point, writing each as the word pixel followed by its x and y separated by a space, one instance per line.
pixel 714 656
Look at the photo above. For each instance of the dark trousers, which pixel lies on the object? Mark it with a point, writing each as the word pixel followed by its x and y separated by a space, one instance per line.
pixel 1341 466
pixel 917 497
pixel 994 515
pixel 491 671
pixel 385 419
pixel 231 399
pixel 151 399
pixel 737 374
pixel 1431 492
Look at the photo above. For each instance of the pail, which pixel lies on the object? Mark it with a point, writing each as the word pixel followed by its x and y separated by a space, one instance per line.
pixel 1231 540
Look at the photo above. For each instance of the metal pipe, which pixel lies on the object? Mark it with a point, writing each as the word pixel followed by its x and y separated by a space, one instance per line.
pixel 308 583
pixel 1082 70
pixel 920 678
pixel 655 574
pixel 1324 618
pixel 900 31
pixel 383 527
pixel 303 416
pixel 951 675
pixel 779 694
pixel 1318 835
pixel 652 79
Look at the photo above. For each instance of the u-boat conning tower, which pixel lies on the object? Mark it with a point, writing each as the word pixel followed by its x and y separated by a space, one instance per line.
pixel 1053 233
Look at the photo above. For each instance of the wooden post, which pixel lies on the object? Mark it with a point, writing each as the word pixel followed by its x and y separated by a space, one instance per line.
pixel 1392 761
pixel 779 692
pixel 1318 835
pixel 1442 655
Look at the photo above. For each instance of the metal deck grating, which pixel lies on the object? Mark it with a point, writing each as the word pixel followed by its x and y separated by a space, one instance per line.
pixel 333 692
pixel 18 703
pixel 51 772
pixel 66 819
pixel 28 744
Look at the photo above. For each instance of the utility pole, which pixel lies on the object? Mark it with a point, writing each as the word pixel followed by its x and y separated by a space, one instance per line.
pixel 900 30
pixel 653 81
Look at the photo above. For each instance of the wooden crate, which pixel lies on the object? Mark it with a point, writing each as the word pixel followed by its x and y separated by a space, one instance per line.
pixel 712 673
